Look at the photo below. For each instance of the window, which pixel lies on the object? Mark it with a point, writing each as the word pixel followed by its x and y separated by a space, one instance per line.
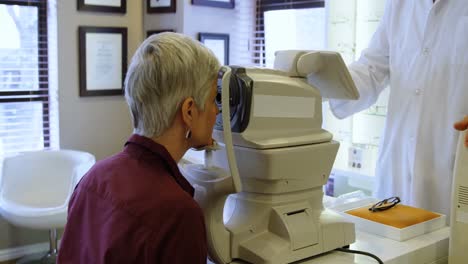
pixel 288 24
pixel 26 104
pixel 291 29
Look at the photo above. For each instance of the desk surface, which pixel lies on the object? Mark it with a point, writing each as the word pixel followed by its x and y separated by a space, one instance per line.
pixel 431 248
pixel 428 248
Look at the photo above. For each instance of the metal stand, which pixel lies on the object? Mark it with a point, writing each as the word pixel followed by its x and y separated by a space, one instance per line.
pixel 43 258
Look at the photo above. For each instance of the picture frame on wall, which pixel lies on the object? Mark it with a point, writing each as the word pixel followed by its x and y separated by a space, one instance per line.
pixel 157 31
pixel 218 43
pixel 102 60
pixel 161 6
pixel 110 6
pixel 215 3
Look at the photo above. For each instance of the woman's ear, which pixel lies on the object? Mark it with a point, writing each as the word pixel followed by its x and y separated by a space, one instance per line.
pixel 188 110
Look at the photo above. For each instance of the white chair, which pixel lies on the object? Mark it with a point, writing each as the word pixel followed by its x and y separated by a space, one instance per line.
pixel 35 188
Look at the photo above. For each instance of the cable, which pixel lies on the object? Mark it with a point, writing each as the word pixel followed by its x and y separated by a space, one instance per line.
pixel 360 252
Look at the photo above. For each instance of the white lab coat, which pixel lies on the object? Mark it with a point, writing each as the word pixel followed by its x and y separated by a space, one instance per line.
pixel 421 50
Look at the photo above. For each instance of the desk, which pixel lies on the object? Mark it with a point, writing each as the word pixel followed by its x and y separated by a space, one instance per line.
pixel 428 248
pixel 431 248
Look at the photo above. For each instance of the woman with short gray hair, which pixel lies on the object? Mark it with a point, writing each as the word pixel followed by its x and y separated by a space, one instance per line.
pixel 136 207
pixel 166 69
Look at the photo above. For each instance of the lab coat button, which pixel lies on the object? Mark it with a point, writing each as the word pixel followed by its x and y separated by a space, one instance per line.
pixel 417 92
pixel 426 51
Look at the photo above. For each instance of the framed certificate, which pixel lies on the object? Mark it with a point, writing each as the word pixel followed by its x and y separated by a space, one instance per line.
pixel 161 6
pixel 218 43
pixel 215 3
pixel 102 60
pixel 111 6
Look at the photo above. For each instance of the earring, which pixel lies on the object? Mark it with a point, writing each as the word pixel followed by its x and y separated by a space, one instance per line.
pixel 188 134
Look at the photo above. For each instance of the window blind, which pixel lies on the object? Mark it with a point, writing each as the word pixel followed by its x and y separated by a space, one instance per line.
pixel 27 104
pixel 263 6
pixel 242 33
pixel 248 41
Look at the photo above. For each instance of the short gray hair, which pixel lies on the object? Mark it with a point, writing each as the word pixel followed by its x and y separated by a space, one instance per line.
pixel 166 69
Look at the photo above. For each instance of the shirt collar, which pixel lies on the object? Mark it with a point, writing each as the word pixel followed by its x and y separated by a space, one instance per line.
pixel 139 143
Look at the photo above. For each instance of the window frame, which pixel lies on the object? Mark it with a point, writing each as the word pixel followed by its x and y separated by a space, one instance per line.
pixel 42 93
pixel 261 8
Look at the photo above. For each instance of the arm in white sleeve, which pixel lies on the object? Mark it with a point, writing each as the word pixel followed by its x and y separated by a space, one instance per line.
pixel 370 73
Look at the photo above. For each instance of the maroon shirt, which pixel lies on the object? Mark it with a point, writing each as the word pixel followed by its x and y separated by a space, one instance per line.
pixel 134 207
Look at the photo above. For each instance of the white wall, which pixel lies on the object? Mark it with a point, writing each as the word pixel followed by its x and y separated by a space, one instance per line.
pixel 101 124
pixel 158 21
pixel 191 20
pixel 208 19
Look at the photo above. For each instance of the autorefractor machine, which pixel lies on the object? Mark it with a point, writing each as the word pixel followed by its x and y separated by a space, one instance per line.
pixel 261 192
